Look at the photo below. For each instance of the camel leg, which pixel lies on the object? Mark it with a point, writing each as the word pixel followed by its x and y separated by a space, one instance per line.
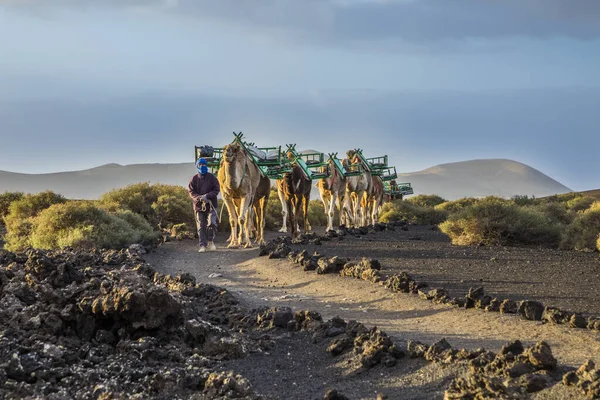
pixel 305 202
pixel 243 235
pixel 291 216
pixel 284 210
pixel 327 206
pixel 231 210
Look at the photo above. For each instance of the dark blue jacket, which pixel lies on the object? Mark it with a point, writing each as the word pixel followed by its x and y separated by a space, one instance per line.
pixel 204 185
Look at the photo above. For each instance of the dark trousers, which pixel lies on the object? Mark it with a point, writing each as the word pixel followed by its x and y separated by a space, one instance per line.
pixel 206 223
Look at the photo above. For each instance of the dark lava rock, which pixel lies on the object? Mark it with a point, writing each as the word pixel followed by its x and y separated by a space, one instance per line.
pixel 328 266
pixel 512 373
pixel 399 283
pixel 102 324
pixel 473 296
pixel 338 346
pixel 508 307
pixel 531 310
pixel 333 394
pixel 376 347
pixel 494 305
pixel 577 321
pixel 586 379
pixel 554 315
pixel 361 271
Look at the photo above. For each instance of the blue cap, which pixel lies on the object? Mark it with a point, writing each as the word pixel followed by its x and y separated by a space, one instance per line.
pixel 201 161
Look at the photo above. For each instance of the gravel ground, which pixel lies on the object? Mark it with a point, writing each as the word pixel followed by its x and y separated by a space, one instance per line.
pixel 565 279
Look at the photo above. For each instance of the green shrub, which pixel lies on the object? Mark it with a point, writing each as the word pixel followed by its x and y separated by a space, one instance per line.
pixel 454 206
pixel 6 199
pixel 316 213
pixel 426 200
pixel 493 221
pixel 400 210
pixel 581 203
pixel 521 200
pixel 556 212
pixel 582 233
pixel 161 205
pixel 81 224
pixel 274 217
pixel 19 218
pixel 561 198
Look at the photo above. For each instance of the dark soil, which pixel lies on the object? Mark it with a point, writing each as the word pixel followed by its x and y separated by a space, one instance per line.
pixel 568 280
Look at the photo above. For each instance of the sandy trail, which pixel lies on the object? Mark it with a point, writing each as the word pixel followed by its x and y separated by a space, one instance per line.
pixel 258 281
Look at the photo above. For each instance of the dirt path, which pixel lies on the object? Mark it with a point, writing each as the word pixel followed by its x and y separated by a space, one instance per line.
pixel 258 281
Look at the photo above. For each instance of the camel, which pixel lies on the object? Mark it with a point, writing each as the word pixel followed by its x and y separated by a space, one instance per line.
pixel 332 190
pixel 356 187
pixel 373 201
pixel 296 189
pixel 239 178
pixel 259 209
pixel 280 184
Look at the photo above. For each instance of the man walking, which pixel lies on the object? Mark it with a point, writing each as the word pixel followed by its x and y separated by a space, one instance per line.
pixel 203 189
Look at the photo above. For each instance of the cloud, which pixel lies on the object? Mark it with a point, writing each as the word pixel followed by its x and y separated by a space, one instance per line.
pixel 553 130
pixel 363 22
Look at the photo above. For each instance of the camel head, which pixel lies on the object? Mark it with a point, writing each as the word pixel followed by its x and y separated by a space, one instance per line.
pixel 232 152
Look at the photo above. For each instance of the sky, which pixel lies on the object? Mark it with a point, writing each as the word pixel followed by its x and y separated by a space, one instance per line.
pixel 85 82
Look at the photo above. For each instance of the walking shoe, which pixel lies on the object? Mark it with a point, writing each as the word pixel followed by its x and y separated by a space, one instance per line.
pixel 202 249
pixel 211 246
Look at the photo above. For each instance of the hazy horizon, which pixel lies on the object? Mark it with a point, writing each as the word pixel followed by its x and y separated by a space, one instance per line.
pixel 427 82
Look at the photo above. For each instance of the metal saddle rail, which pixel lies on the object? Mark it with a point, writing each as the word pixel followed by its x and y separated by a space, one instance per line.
pixel 273 168
pixel 313 165
pixel 214 161
pixel 403 188
pixel 387 174
pixel 378 162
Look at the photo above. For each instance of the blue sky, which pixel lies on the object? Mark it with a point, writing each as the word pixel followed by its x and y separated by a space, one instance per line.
pixel 85 83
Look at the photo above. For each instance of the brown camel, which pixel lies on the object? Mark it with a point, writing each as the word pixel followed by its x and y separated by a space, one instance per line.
pixel 356 187
pixel 296 189
pixel 280 184
pixel 332 190
pixel 373 201
pixel 239 178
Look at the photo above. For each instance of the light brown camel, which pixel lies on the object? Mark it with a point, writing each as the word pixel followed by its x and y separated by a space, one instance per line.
pixel 373 201
pixel 239 178
pixel 296 189
pixel 356 187
pixel 332 190
pixel 257 213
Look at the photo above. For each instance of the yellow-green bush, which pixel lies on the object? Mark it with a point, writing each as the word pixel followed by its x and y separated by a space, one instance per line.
pixel 524 200
pixel 582 233
pixel 161 205
pixel 426 200
pixel 6 199
pixel 556 212
pixel 561 198
pixel 581 203
pixel 20 214
pixel 493 221
pixel 595 206
pixel 598 243
pixel 456 205
pixel 81 224
pixel 316 213
pixel 400 210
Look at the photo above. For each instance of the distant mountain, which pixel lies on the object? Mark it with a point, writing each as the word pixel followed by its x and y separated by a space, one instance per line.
pixel 451 181
pixel 92 183
pixel 477 178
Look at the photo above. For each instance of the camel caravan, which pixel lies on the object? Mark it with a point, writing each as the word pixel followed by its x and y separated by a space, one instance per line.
pixel 356 186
